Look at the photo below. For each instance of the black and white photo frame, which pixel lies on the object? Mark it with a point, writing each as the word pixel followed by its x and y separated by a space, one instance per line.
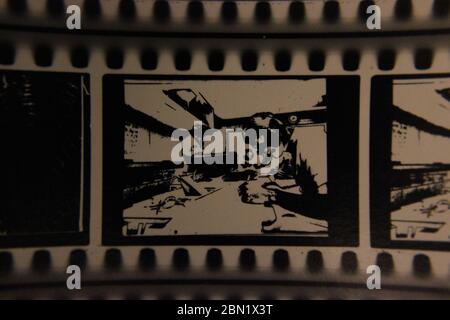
pixel 147 197
pixel 410 161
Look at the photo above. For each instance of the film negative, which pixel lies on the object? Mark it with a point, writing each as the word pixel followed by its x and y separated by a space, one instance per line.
pixel 155 206
pixel 417 182
pixel 97 174
pixel 47 170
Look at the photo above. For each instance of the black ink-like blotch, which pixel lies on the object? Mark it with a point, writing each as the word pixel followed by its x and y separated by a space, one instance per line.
pixel 149 59
pixel 42 261
pixel 78 257
pixel 92 9
pixel 79 57
pixel 147 259
pixel 386 59
pixel 296 12
pixel 55 8
pixel 283 60
pixel 127 10
pixel 43 55
pixel 180 259
pixel 316 60
pixel 214 259
pixel 331 11
pixel 350 60
pixel 441 9
pixel 385 262
pixel 423 58
pixel 113 260
pixel 249 60
pixel 349 262
pixel 161 11
pixel 195 12
pixel 114 58
pixel 229 12
pixel 263 12
pixel 421 266
pixel 216 60
pixel 7 53
pixel 247 260
pixel 6 263
pixel 403 10
pixel 314 261
pixel 280 260
pixel 183 59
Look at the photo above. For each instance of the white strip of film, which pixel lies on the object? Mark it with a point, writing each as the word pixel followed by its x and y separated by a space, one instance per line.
pixel 362 119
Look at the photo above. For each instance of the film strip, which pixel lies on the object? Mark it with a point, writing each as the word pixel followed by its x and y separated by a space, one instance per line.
pixel 277 17
pixel 93 86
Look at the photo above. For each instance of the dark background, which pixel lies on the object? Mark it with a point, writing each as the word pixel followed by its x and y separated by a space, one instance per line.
pixel 41 141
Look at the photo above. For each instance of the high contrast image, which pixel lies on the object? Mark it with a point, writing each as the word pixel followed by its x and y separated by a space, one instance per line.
pixel 416 140
pixel 206 190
